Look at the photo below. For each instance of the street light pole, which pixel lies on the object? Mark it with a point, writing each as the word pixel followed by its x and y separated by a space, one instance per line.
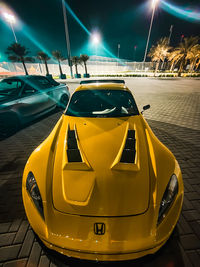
pixel 11 25
pixel 169 39
pixel 152 17
pixel 170 34
pixel 67 37
pixel 118 48
pixel 11 20
pixel 134 56
pixel 182 36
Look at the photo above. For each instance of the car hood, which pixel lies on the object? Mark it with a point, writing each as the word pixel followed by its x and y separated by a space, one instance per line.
pixel 95 179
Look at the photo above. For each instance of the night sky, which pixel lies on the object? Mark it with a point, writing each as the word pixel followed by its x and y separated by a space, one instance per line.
pixel 40 25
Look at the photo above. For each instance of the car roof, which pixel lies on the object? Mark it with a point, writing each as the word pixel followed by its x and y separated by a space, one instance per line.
pixel 103 86
pixel 24 77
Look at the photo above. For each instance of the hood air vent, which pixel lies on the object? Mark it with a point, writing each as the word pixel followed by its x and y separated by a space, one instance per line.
pixel 73 153
pixel 128 154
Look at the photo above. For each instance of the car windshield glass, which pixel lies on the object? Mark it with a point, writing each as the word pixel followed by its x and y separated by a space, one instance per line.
pixel 10 87
pixel 102 103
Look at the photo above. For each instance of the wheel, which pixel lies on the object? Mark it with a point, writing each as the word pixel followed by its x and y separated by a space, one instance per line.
pixel 63 101
pixel 9 124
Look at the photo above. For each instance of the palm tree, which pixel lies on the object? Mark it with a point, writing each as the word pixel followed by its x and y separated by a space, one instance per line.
pixel 18 53
pixel 76 61
pixel 159 52
pixel 183 52
pixel 58 55
pixel 173 60
pixel 197 64
pixel 194 56
pixel 44 57
pixel 84 59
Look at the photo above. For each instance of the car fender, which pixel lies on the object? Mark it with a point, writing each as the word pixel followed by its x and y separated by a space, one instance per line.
pixel 60 91
pixel 160 172
pixel 40 163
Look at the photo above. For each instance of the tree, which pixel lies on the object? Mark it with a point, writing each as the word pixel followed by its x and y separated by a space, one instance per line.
pixel 159 52
pixel 84 59
pixel 183 52
pixel 44 57
pixel 194 56
pixel 18 53
pixel 197 64
pixel 58 55
pixel 76 61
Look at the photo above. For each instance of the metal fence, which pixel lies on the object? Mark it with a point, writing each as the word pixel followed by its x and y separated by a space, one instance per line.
pixel 93 67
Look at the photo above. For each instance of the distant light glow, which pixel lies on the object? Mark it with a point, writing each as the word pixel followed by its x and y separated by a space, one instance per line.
pixel 89 33
pixel 183 13
pixel 95 38
pixel 7 14
pixel 154 3
pixel 9 17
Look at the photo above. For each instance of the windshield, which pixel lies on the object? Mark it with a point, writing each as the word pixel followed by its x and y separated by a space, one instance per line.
pixel 102 103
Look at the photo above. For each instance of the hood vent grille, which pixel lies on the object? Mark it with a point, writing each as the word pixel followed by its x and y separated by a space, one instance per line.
pixel 73 152
pixel 128 154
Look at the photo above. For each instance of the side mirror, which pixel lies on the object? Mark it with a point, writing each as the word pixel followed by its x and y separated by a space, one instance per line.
pixel 145 108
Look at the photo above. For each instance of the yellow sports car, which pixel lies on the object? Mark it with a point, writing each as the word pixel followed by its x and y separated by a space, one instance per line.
pixel 102 186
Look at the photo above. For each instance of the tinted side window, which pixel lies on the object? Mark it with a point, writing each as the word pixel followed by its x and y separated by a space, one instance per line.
pixel 7 84
pixel 28 90
pixel 53 82
pixel 10 87
pixel 40 83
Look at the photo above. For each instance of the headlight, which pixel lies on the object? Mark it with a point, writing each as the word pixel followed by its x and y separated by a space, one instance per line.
pixel 168 197
pixel 34 192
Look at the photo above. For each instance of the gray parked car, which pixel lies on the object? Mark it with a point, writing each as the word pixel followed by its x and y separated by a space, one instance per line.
pixel 25 98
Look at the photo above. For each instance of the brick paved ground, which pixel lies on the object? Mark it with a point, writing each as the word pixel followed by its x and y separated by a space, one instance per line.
pixel 175 119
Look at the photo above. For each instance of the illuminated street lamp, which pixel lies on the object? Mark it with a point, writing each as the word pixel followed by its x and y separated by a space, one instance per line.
pixel 95 38
pixel 154 4
pixel 11 20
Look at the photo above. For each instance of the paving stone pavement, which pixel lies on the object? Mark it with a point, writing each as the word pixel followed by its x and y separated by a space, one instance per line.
pixel 18 244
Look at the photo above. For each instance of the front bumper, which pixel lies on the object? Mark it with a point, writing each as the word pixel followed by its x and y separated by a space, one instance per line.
pixel 125 238
pixel 93 256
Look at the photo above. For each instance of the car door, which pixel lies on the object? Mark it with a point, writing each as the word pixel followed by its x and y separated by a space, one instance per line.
pixel 9 95
pixel 32 101
pixel 46 87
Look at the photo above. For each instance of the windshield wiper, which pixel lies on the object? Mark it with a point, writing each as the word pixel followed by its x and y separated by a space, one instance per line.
pixel 106 111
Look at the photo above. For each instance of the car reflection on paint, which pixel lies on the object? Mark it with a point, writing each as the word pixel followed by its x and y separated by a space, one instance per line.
pixel 25 98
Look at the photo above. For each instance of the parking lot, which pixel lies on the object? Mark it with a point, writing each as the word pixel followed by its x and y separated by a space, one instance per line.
pixel 174 117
